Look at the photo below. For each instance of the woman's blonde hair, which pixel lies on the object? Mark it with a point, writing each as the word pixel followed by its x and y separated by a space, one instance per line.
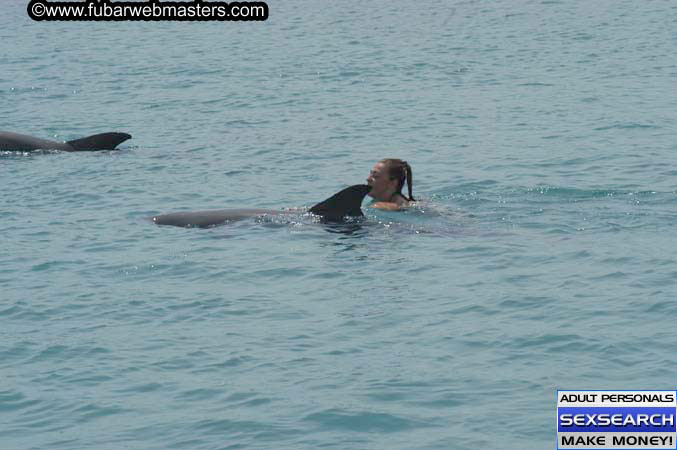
pixel 401 171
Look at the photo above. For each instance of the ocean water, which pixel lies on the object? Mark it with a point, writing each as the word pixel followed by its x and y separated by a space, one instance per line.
pixel 542 140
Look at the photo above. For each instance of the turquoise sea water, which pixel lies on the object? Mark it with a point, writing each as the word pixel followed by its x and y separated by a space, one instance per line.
pixel 542 140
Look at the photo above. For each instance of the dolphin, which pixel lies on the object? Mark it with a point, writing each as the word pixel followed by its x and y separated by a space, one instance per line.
pixel 334 209
pixel 21 142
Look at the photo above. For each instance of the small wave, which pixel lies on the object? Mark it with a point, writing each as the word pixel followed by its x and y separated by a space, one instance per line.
pixel 363 421
pixel 536 84
pixel 627 126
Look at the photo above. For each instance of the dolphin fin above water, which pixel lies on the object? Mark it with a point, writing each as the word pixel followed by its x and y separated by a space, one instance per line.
pixel 21 142
pixel 102 141
pixel 347 202
pixel 334 209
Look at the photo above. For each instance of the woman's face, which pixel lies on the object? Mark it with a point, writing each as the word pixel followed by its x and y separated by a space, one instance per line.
pixel 382 187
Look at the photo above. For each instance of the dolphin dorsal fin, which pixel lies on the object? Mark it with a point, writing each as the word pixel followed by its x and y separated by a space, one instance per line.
pixel 103 141
pixel 347 202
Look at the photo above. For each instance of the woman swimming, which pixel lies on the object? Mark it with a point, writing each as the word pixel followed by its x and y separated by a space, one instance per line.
pixel 387 179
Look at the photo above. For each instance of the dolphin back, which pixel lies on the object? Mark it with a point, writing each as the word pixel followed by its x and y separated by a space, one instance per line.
pixel 21 142
pixel 347 202
pixel 334 209
pixel 206 219
pixel 103 141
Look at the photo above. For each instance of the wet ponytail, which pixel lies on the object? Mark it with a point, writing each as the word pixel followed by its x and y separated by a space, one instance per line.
pixel 410 181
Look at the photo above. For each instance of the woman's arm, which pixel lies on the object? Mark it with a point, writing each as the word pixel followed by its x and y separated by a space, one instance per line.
pixel 386 205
